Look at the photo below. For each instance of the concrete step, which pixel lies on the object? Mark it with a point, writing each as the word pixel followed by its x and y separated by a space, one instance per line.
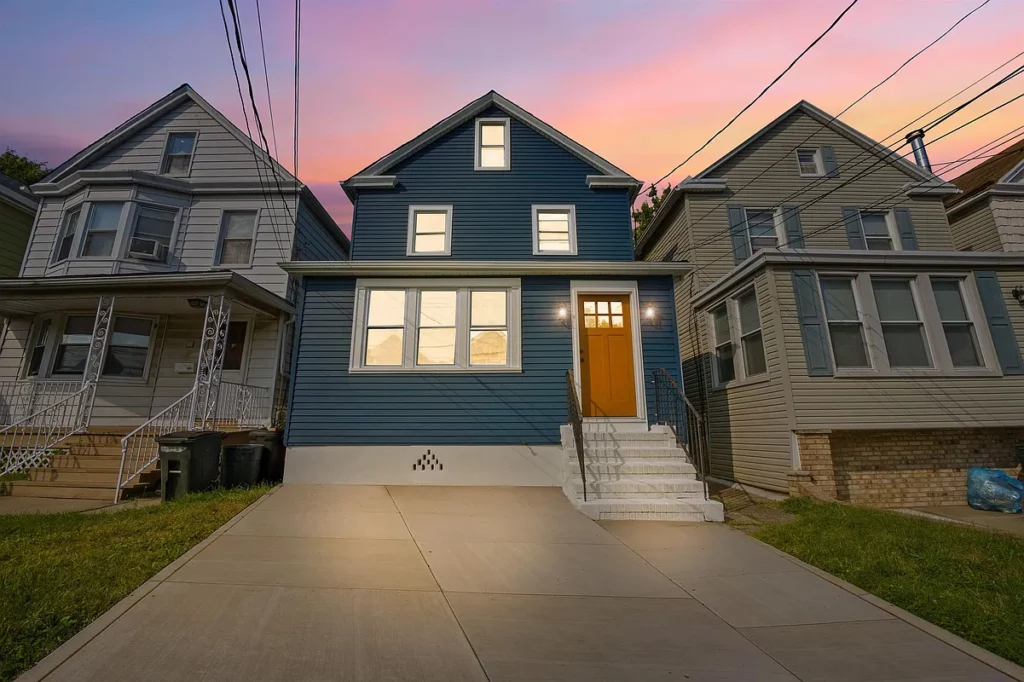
pixel 666 487
pixel 652 510
pixel 660 466
pixel 620 454
pixel 627 437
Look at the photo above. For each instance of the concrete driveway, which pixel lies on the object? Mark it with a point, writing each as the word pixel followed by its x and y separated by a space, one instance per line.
pixel 429 583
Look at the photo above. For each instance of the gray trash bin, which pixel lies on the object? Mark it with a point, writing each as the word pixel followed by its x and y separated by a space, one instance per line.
pixel 188 462
pixel 241 466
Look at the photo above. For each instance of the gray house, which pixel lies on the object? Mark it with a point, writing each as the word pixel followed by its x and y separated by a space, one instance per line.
pixel 834 340
pixel 150 298
pixel 988 214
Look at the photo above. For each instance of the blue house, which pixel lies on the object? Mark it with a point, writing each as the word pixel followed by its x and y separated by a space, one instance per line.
pixel 493 328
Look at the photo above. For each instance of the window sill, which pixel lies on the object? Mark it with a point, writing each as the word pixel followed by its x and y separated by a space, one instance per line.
pixel 739 383
pixel 488 170
pixel 430 254
pixel 232 266
pixel 931 373
pixel 435 370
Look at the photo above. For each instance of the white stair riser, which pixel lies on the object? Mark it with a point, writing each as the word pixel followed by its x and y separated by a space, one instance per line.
pixel 619 454
pixel 635 468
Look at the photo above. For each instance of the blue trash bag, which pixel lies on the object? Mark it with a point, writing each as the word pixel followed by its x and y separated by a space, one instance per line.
pixel 994 490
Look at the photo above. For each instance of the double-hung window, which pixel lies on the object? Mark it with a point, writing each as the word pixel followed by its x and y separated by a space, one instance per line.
pixel 35 358
pixel 151 233
pixel 430 231
pixel 878 233
pixel 68 230
pixel 127 355
pixel 737 339
pixel 437 325
pixel 902 327
pixel 957 326
pixel 751 339
pixel 554 230
pixel 810 162
pixel 73 345
pixel 101 230
pixel 492 144
pixel 178 154
pixel 845 326
pixel 762 230
pixel 237 230
pixel 725 366
pixel 128 350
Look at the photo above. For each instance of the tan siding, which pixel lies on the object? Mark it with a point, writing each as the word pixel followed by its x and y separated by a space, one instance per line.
pixel 1008 213
pixel 918 402
pixel 12 352
pixel 974 229
pixel 15 225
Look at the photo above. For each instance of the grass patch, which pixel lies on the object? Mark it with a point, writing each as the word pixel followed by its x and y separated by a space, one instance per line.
pixel 58 572
pixel 965 580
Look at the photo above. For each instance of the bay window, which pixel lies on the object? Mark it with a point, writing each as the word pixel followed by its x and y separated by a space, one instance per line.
pixel 737 339
pixel 725 368
pixel 957 326
pixel 437 325
pixel 101 230
pixel 69 228
pixel 845 327
pixel 902 326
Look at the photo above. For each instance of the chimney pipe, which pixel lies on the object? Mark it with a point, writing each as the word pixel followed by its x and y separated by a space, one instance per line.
pixel 916 140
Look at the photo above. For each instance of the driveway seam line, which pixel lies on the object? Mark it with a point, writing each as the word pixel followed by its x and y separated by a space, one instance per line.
pixel 440 589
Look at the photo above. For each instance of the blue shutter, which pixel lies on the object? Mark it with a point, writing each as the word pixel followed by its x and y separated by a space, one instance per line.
pixel 813 327
pixel 738 230
pixel 854 231
pixel 828 156
pixel 1005 341
pixel 905 226
pixel 794 230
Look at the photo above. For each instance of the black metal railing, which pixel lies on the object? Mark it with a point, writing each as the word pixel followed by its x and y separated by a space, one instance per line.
pixel 673 409
pixel 572 402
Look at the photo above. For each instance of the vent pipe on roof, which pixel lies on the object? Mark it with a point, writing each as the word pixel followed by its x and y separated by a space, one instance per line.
pixel 916 140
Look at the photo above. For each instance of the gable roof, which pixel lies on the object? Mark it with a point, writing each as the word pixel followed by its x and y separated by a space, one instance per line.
pixel 17 194
pixel 984 176
pixel 378 168
pixel 705 180
pixel 147 116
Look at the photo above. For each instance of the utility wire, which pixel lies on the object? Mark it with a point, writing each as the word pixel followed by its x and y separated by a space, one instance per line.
pixel 295 136
pixel 760 95
pixel 266 77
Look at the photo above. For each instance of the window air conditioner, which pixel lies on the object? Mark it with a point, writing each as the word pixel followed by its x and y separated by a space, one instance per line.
pixel 149 249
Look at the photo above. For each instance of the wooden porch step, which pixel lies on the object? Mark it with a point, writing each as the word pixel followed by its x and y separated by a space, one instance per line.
pixel 87 477
pixel 69 491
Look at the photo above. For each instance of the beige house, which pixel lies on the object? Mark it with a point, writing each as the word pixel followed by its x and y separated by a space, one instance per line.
pixel 988 214
pixel 835 341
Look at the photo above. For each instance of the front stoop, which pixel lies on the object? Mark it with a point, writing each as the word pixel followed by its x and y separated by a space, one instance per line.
pixel 635 475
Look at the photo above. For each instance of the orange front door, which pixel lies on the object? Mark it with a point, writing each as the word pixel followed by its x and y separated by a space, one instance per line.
pixel 606 356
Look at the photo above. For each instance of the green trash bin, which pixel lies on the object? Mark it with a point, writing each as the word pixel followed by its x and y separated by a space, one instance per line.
pixel 188 462
pixel 272 469
pixel 241 465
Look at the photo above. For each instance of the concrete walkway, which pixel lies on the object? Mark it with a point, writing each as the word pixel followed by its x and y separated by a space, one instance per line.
pixel 1004 523
pixel 447 584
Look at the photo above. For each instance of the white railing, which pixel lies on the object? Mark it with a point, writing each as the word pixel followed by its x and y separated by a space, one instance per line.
pixel 29 442
pixel 242 405
pixel 21 399
pixel 139 448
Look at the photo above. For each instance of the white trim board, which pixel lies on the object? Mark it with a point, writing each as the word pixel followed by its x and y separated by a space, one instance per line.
pixel 507 465
pixel 577 287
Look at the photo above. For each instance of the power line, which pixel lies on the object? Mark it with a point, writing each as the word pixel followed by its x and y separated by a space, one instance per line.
pixel 266 77
pixel 295 135
pixel 760 95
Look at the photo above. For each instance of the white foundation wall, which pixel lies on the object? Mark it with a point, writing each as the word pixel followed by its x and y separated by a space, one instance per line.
pixel 487 465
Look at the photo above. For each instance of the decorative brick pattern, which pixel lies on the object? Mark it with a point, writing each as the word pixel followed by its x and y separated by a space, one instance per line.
pixel 902 468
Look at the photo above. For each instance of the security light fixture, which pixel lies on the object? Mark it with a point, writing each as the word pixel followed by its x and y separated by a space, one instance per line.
pixel 563 311
pixel 650 313
pixel 198 303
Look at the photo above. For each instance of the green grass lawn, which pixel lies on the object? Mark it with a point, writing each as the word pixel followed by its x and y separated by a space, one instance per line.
pixel 58 572
pixel 966 580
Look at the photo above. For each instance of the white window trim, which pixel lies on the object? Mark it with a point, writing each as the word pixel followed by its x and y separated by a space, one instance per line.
pixel 780 233
pixel 81 205
pixel 166 150
pixel 869 351
pixel 570 209
pixel 57 323
pixel 216 264
pixel 410 240
pixel 819 162
pixel 890 223
pixel 578 287
pixel 739 358
pixel 133 215
pixel 78 247
pixel 935 338
pixel 412 287
pixel 508 147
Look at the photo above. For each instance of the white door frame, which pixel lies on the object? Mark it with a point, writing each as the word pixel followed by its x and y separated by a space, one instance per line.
pixel 577 287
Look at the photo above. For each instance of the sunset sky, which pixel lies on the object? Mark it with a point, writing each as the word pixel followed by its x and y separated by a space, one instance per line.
pixel 641 82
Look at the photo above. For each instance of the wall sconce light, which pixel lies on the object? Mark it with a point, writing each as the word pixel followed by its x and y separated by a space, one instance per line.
pixel 198 303
pixel 650 313
pixel 1018 293
pixel 563 312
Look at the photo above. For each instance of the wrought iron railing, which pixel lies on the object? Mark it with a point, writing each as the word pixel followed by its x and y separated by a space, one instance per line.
pixel 29 442
pixel 572 402
pixel 242 405
pixel 139 448
pixel 21 399
pixel 672 408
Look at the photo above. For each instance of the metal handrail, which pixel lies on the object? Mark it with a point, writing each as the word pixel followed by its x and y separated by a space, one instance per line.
pixel 572 402
pixel 25 397
pixel 27 443
pixel 139 448
pixel 243 405
pixel 672 408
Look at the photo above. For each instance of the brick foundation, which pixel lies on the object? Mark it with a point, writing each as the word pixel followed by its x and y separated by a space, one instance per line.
pixel 900 468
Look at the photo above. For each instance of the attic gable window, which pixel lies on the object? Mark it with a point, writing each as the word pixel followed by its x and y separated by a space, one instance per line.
pixel 810 162
pixel 430 231
pixel 554 230
pixel 492 144
pixel 178 154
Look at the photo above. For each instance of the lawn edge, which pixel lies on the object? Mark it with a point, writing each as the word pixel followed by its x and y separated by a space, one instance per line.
pixel 1008 668
pixel 76 642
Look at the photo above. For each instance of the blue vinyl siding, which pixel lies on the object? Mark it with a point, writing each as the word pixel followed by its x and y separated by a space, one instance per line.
pixel 312 239
pixel 330 406
pixel 492 217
